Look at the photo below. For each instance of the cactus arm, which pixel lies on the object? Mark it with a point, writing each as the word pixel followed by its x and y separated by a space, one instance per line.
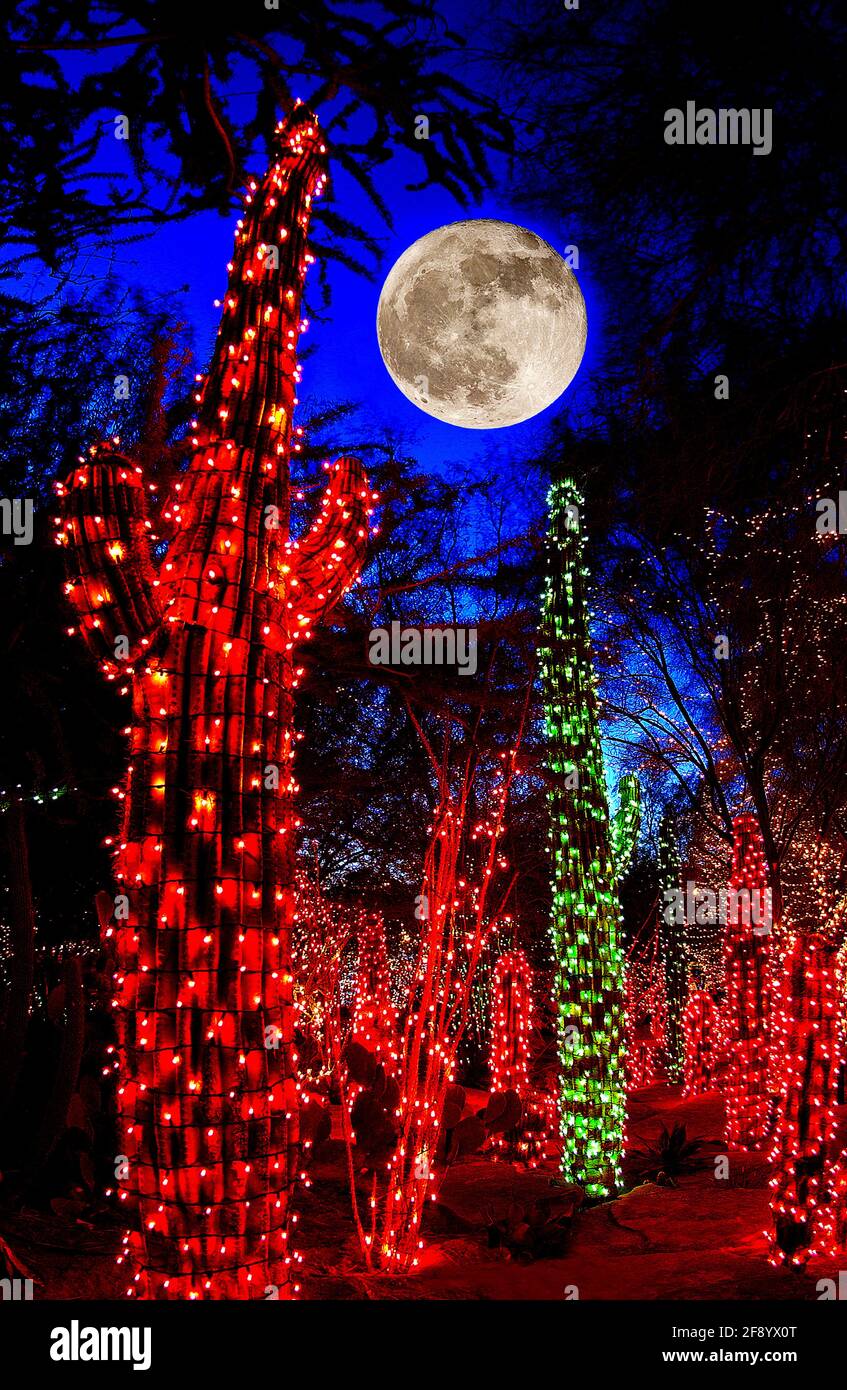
pixel 319 568
pixel 626 823
pixel 112 586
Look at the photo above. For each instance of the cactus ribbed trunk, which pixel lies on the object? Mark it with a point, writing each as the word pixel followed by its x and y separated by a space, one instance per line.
pixel 626 824
pixel 208 1093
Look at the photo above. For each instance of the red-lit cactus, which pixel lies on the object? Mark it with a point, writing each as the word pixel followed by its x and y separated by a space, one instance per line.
pixel 208 1096
pixel 748 1101
pixel 808 1053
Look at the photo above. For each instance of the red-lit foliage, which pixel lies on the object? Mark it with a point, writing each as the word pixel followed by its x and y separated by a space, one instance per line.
pixel 511 1023
pixel 807 1030
pixel 748 1101
pixel 207 1081
pixel 702 1032
pixel 324 932
pixel 457 922
pixel 510 1058
pixel 645 998
pixel 458 925
pixel 374 1015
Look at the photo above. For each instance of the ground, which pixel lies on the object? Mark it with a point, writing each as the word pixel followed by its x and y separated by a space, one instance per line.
pixel 704 1239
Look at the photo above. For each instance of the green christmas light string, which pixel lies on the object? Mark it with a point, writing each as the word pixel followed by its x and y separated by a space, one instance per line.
pixel 672 940
pixel 585 924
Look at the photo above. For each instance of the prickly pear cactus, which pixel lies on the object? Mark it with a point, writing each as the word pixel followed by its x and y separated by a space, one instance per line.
pixel 208 642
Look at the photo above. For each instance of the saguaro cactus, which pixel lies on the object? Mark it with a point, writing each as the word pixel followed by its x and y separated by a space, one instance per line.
pixel 585 926
pixel 208 1097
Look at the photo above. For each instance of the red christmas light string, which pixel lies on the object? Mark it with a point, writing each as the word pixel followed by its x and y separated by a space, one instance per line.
pixel 439 1012
pixel 208 1093
pixel 645 1004
pixel 324 933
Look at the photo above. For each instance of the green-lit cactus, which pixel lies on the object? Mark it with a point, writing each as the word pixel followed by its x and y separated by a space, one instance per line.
pixel 585 926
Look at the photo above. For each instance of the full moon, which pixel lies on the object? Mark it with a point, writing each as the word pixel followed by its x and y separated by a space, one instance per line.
pixel 481 323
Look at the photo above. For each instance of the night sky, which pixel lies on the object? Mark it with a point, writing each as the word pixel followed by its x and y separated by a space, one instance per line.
pixel 185 263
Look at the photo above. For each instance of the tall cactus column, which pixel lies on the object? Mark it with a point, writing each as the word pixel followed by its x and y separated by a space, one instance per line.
pixel 585 929
pixel 208 1097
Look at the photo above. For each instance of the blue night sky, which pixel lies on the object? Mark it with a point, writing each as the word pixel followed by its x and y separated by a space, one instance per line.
pixel 184 262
